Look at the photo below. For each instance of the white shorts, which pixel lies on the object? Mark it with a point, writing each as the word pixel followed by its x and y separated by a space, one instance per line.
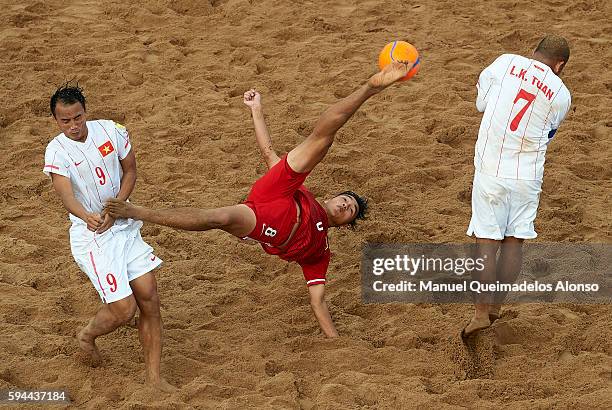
pixel 113 265
pixel 503 207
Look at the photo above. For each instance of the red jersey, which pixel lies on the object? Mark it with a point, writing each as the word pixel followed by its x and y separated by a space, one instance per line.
pixel 274 198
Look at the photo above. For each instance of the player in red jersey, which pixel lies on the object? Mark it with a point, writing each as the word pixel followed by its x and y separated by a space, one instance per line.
pixel 280 212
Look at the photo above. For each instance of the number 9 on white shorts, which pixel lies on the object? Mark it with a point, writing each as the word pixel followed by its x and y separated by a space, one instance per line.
pixel 113 265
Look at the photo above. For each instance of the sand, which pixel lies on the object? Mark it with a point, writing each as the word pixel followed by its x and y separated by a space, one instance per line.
pixel 238 328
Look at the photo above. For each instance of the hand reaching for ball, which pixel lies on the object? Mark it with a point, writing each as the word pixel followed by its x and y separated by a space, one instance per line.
pixel 252 98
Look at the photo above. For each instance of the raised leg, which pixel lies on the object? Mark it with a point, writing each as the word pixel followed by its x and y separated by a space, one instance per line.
pixel 238 220
pixel 313 149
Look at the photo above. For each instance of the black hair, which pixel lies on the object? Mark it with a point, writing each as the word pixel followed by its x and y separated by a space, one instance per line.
pixel 554 47
pixel 362 202
pixel 67 94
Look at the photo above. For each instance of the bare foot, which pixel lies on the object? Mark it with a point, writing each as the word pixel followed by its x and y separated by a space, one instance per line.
pixel 390 74
pixel 494 313
pixel 475 325
pixel 162 385
pixel 88 346
pixel 119 209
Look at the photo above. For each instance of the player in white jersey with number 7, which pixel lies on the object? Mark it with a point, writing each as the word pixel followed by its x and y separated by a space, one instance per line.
pixel 90 162
pixel 524 101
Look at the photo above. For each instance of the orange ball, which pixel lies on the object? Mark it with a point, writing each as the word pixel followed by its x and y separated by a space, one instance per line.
pixel 400 50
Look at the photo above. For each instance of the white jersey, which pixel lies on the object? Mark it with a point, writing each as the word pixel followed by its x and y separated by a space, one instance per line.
pixel 95 173
pixel 524 103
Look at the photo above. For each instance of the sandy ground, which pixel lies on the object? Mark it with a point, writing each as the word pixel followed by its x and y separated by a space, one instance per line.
pixel 238 328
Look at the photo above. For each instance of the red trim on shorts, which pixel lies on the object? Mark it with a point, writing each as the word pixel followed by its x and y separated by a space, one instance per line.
pixel 51 166
pixel 96 272
pixel 251 206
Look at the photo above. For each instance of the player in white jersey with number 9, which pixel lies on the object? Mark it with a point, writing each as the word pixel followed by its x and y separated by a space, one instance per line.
pixel 90 162
pixel 524 101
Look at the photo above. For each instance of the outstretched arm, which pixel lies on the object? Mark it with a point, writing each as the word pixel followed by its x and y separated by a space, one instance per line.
pixel 319 307
pixel 313 149
pixel 252 99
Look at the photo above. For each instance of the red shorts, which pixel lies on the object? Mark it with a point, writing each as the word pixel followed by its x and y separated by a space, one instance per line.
pixel 272 200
